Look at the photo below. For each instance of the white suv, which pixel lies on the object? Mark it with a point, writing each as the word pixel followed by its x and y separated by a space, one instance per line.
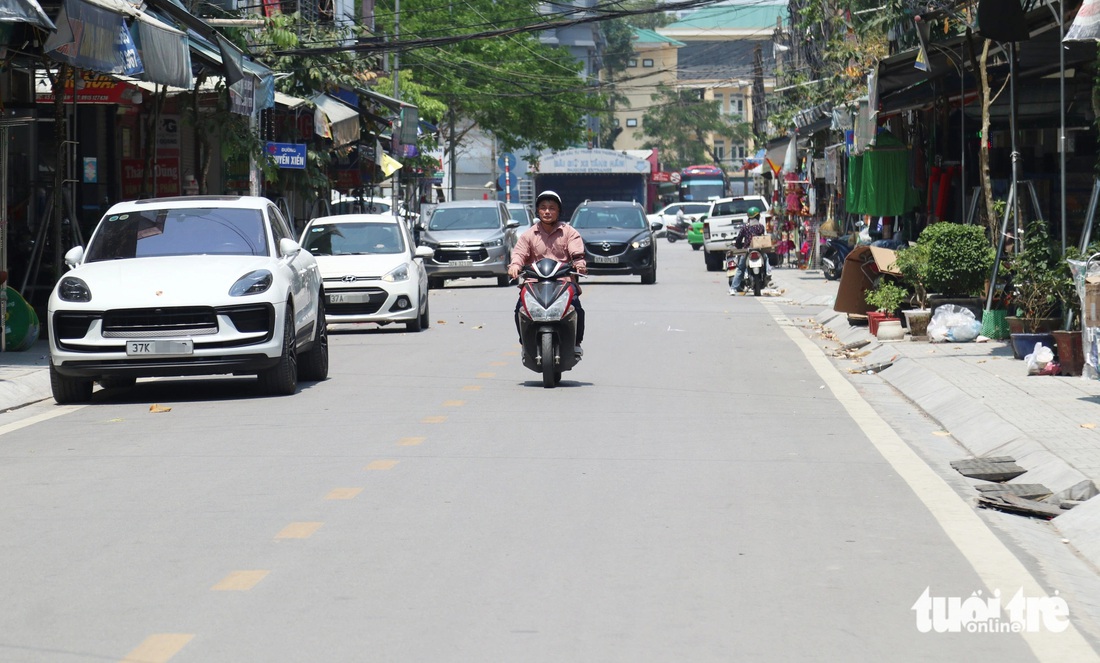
pixel 197 285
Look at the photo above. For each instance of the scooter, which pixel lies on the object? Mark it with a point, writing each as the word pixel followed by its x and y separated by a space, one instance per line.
pixel 548 320
pixel 756 269
pixel 676 230
pixel 832 257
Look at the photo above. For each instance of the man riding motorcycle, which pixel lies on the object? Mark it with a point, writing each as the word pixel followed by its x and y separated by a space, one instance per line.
pixel 754 227
pixel 550 238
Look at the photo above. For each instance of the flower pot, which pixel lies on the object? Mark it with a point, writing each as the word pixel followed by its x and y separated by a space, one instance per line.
pixel 1023 344
pixel 1017 325
pixel 890 330
pixel 1070 349
pixel 917 321
pixel 873 318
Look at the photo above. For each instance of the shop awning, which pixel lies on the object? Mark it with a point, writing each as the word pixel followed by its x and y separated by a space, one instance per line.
pixel 382 99
pixel 336 120
pixel 25 11
pixel 93 34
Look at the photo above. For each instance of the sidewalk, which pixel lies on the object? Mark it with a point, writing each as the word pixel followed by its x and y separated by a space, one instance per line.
pixel 986 400
pixel 24 376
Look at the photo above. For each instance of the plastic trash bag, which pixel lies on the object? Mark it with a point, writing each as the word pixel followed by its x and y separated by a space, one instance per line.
pixel 953 324
pixel 1038 359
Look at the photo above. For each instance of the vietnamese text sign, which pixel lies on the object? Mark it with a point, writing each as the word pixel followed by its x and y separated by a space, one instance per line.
pixel 288 155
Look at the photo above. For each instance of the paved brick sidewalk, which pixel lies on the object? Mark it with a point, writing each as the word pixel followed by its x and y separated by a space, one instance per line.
pixel 983 396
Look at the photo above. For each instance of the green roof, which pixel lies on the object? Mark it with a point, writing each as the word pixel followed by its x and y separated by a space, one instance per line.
pixel 732 17
pixel 643 36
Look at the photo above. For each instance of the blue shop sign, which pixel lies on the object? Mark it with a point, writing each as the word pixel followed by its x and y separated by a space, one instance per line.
pixel 288 155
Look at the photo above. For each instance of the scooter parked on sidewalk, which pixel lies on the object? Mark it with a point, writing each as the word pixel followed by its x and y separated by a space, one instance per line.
pixel 548 320
pixel 833 254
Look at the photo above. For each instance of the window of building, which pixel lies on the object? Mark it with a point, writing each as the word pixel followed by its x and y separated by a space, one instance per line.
pixel 737 106
pixel 720 150
pixel 721 99
pixel 616 122
pixel 647 62
pixel 632 62
pixel 631 122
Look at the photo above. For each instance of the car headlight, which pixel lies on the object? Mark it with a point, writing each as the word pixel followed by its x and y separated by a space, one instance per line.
pixel 72 289
pixel 252 283
pixel 642 243
pixel 399 273
pixel 493 243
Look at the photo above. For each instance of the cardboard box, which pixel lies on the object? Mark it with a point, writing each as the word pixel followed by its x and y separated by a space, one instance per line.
pixel 862 268
pixel 1090 308
pixel 762 242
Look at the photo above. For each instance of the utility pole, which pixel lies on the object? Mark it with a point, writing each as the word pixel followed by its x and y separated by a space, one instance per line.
pixel 396 177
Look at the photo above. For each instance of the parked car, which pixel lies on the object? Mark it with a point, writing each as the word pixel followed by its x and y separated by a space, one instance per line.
pixel 521 213
pixel 471 238
pixel 371 269
pixel 197 285
pixel 618 239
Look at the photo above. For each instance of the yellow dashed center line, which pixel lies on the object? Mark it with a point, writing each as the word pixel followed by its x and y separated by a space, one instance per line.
pixel 486 375
pixel 453 403
pixel 240 581
pixel 343 493
pixel 436 419
pixel 472 387
pixel 498 363
pixel 410 441
pixel 158 648
pixel 511 353
pixel 298 531
pixel 381 465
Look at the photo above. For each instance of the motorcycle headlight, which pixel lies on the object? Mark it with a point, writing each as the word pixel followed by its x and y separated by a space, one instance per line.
pixel 252 283
pixel 399 273
pixel 72 289
pixel 642 243
pixel 555 312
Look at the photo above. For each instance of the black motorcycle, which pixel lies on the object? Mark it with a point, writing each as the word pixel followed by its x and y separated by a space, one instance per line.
pixel 548 320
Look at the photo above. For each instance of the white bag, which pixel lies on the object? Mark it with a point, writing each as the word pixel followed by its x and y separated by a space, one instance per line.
pixel 1038 359
pixel 953 323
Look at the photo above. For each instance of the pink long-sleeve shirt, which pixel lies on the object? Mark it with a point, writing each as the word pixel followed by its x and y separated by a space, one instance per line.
pixel 563 244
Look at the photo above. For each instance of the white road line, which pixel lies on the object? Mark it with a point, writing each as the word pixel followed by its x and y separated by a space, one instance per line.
pixel 32 420
pixel 994 563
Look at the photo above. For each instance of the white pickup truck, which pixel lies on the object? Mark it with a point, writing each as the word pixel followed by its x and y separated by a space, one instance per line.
pixel 722 224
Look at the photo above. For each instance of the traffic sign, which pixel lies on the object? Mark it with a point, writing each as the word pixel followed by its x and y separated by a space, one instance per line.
pixel 506 161
pixel 674 178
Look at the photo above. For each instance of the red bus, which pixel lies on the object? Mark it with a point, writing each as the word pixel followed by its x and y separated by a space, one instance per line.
pixel 703 183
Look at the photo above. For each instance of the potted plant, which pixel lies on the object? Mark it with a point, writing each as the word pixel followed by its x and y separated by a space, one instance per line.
pixel 887 297
pixel 960 259
pixel 912 262
pixel 1040 281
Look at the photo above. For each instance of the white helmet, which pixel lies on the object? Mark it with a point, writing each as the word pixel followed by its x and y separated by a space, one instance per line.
pixel 549 195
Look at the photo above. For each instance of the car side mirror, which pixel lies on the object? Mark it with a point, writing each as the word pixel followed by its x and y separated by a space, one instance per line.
pixel 656 225
pixel 424 252
pixel 74 256
pixel 288 247
pixel 512 224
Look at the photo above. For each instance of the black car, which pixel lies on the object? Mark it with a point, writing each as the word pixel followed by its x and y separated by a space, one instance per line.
pixel 618 239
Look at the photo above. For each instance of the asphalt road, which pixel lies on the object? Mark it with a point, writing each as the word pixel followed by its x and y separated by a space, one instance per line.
pixel 693 491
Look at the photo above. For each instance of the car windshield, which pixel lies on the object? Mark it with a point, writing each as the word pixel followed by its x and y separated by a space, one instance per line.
pixel 464 218
pixel 179 232
pixel 344 239
pixel 364 206
pixel 594 217
pixel 728 207
pixel 520 214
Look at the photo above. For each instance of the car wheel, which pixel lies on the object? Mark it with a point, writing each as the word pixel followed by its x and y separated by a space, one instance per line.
pixel 117 383
pixel 502 281
pixel 282 378
pixel 68 389
pixel 425 318
pixel 435 284
pixel 696 247
pixel 714 261
pixel 650 277
pixel 418 323
pixel 313 365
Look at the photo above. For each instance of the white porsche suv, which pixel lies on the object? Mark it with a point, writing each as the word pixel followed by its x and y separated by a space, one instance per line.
pixel 196 285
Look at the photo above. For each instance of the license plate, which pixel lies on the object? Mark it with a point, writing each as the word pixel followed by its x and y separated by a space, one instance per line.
pixel 731 272
pixel 461 263
pixel 349 298
pixel 607 260
pixel 153 348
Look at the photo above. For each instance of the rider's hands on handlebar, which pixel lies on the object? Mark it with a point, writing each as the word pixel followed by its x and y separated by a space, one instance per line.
pixel 513 272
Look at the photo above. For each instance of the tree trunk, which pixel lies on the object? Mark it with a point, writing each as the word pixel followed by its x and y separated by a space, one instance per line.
pixel 983 152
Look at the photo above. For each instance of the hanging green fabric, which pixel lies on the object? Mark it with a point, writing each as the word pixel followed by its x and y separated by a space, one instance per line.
pixel 855 179
pixel 884 185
